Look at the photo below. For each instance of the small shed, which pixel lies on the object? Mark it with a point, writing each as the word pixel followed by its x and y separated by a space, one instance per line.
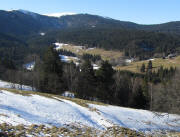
pixel 68 94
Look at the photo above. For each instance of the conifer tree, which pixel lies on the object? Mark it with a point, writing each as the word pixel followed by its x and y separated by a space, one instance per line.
pixel 52 72
pixel 105 81
pixel 86 81
pixel 150 65
pixel 143 68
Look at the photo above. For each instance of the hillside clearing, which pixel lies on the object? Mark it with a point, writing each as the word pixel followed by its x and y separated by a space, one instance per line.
pixel 157 63
pixel 111 54
pixel 105 54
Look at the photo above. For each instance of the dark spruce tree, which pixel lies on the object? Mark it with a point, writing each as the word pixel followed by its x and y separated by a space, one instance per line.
pixel 143 68
pixel 51 78
pixel 105 82
pixel 87 81
pixel 150 66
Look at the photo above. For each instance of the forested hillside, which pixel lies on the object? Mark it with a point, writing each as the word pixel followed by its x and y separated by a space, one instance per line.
pixel 133 43
pixel 12 49
pixel 21 22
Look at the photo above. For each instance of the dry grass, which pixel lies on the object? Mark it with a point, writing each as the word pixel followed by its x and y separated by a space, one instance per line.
pixel 134 67
pixel 71 131
pixel 105 54
pixel 166 63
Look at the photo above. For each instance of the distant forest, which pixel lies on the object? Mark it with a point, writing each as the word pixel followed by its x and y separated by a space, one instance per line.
pixel 133 43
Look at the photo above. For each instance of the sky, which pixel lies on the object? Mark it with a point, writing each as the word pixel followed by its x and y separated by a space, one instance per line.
pixel 138 11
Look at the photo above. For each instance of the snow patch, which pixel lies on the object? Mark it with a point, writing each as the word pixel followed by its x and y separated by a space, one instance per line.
pixel 129 60
pixel 59 46
pixel 95 67
pixel 28 12
pixel 67 58
pixel 42 33
pixel 4 84
pixel 60 14
pixel 91 48
pixel 151 59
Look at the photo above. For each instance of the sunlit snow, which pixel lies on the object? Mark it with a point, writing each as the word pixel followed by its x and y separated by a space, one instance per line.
pixel 17 109
pixel 60 14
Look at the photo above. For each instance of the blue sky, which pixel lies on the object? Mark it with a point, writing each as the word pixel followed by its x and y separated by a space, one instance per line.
pixel 139 11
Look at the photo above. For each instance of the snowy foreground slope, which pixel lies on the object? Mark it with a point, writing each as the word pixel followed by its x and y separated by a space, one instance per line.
pixel 16 109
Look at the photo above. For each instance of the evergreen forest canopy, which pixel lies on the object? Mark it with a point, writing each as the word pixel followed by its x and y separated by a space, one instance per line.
pixel 133 43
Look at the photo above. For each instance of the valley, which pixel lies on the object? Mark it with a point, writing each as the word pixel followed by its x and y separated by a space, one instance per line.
pixel 76 74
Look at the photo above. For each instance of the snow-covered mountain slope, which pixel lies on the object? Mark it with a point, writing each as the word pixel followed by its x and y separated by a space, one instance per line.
pixel 56 111
pixel 24 12
pixel 60 14
pixel 28 12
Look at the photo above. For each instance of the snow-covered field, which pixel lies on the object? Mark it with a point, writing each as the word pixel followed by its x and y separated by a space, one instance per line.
pixel 4 84
pixel 16 109
pixel 141 120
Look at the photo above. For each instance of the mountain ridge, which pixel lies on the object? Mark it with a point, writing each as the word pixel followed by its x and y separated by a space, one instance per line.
pixel 24 22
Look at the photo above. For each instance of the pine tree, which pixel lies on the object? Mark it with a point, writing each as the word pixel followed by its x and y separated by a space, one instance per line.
pixel 52 62
pixel 8 64
pixel 150 65
pixel 143 68
pixel 51 78
pixel 105 81
pixel 87 81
